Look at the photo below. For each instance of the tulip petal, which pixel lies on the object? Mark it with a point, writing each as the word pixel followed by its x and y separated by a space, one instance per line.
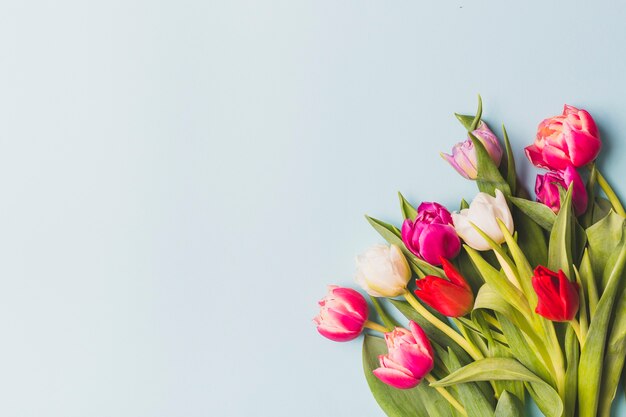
pixel 396 378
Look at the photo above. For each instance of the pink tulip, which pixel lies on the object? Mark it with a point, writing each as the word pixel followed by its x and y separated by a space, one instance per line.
pixel 547 189
pixel 569 139
pixel 343 313
pixel 463 157
pixel 409 359
pixel 431 236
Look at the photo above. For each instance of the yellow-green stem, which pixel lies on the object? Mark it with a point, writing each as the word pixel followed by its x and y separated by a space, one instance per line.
pixel 617 205
pixel 445 328
pixel 576 326
pixel 375 326
pixel 445 394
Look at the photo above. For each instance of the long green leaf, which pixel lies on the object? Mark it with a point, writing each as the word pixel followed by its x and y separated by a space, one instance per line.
pixel 614 358
pixel 540 213
pixel 572 353
pixel 603 237
pixel 408 211
pixel 511 175
pixel 561 238
pixel 545 396
pixel 509 406
pixel 592 354
pixel 472 398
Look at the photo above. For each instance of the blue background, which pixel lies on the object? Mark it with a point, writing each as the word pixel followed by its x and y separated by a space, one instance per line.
pixel 181 179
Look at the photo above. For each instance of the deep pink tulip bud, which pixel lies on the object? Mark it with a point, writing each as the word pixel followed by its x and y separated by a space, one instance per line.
pixel 569 139
pixel 463 157
pixel 343 313
pixel 547 189
pixel 557 296
pixel 409 359
pixel 431 236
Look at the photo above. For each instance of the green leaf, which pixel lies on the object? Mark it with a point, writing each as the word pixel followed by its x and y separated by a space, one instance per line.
pixel 408 211
pixel 588 283
pixel 471 396
pixel 395 402
pixel 545 396
pixel 511 175
pixel 392 235
pixel 388 321
pixel 530 238
pixel 499 282
pixel 470 123
pixel 509 406
pixel 489 178
pixel 593 350
pixel 614 358
pixel 464 204
pixel 572 353
pixel 561 238
pixel 538 212
pixel 602 239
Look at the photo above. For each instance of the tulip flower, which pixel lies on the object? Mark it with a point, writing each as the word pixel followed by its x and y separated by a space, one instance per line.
pixel 483 212
pixel 343 313
pixel 409 359
pixel 557 295
pixel 569 139
pixel 383 271
pixel 431 235
pixel 452 297
pixel 547 189
pixel 463 157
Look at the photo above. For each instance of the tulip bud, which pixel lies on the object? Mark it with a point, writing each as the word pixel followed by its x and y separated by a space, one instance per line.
pixel 557 295
pixel 547 189
pixel 343 313
pixel 483 211
pixel 431 235
pixel 383 271
pixel 452 297
pixel 463 157
pixel 568 139
pixel 409 359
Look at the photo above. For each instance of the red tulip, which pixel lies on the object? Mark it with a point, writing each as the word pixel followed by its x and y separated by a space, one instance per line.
pixel 557 295
pixel 452 297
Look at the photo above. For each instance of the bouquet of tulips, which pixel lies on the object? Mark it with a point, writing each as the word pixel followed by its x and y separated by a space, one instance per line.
pixel 508 297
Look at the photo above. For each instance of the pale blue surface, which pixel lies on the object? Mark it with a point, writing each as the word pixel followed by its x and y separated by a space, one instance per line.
pixel 181 179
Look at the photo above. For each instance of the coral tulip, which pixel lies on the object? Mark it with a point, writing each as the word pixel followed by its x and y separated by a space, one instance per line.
pixel 452 297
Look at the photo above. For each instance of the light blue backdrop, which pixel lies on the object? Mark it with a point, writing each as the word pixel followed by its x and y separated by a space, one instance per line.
pixel 181 179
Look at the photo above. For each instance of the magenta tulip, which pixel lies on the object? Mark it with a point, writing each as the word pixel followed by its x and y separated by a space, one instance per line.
pixel 431 236
pixel 568 139
pixel 547 189
pixel 343 313
pixel 409 359
pixel 463 157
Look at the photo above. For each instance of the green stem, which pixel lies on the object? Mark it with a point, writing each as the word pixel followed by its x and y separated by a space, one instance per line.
pixel 617 205
pixel 470 349
pixel 576 326
pixel 375 326
pixel 388 322
pixel 445 394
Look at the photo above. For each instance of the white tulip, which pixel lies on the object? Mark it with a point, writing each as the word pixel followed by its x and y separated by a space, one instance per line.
pixel 483 212
pixel 383 271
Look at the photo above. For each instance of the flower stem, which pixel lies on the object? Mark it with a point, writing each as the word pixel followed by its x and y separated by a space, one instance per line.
pixel 617 205
pixel 375 326
pixel 445 394
pixel 576 326
pixel 445 328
